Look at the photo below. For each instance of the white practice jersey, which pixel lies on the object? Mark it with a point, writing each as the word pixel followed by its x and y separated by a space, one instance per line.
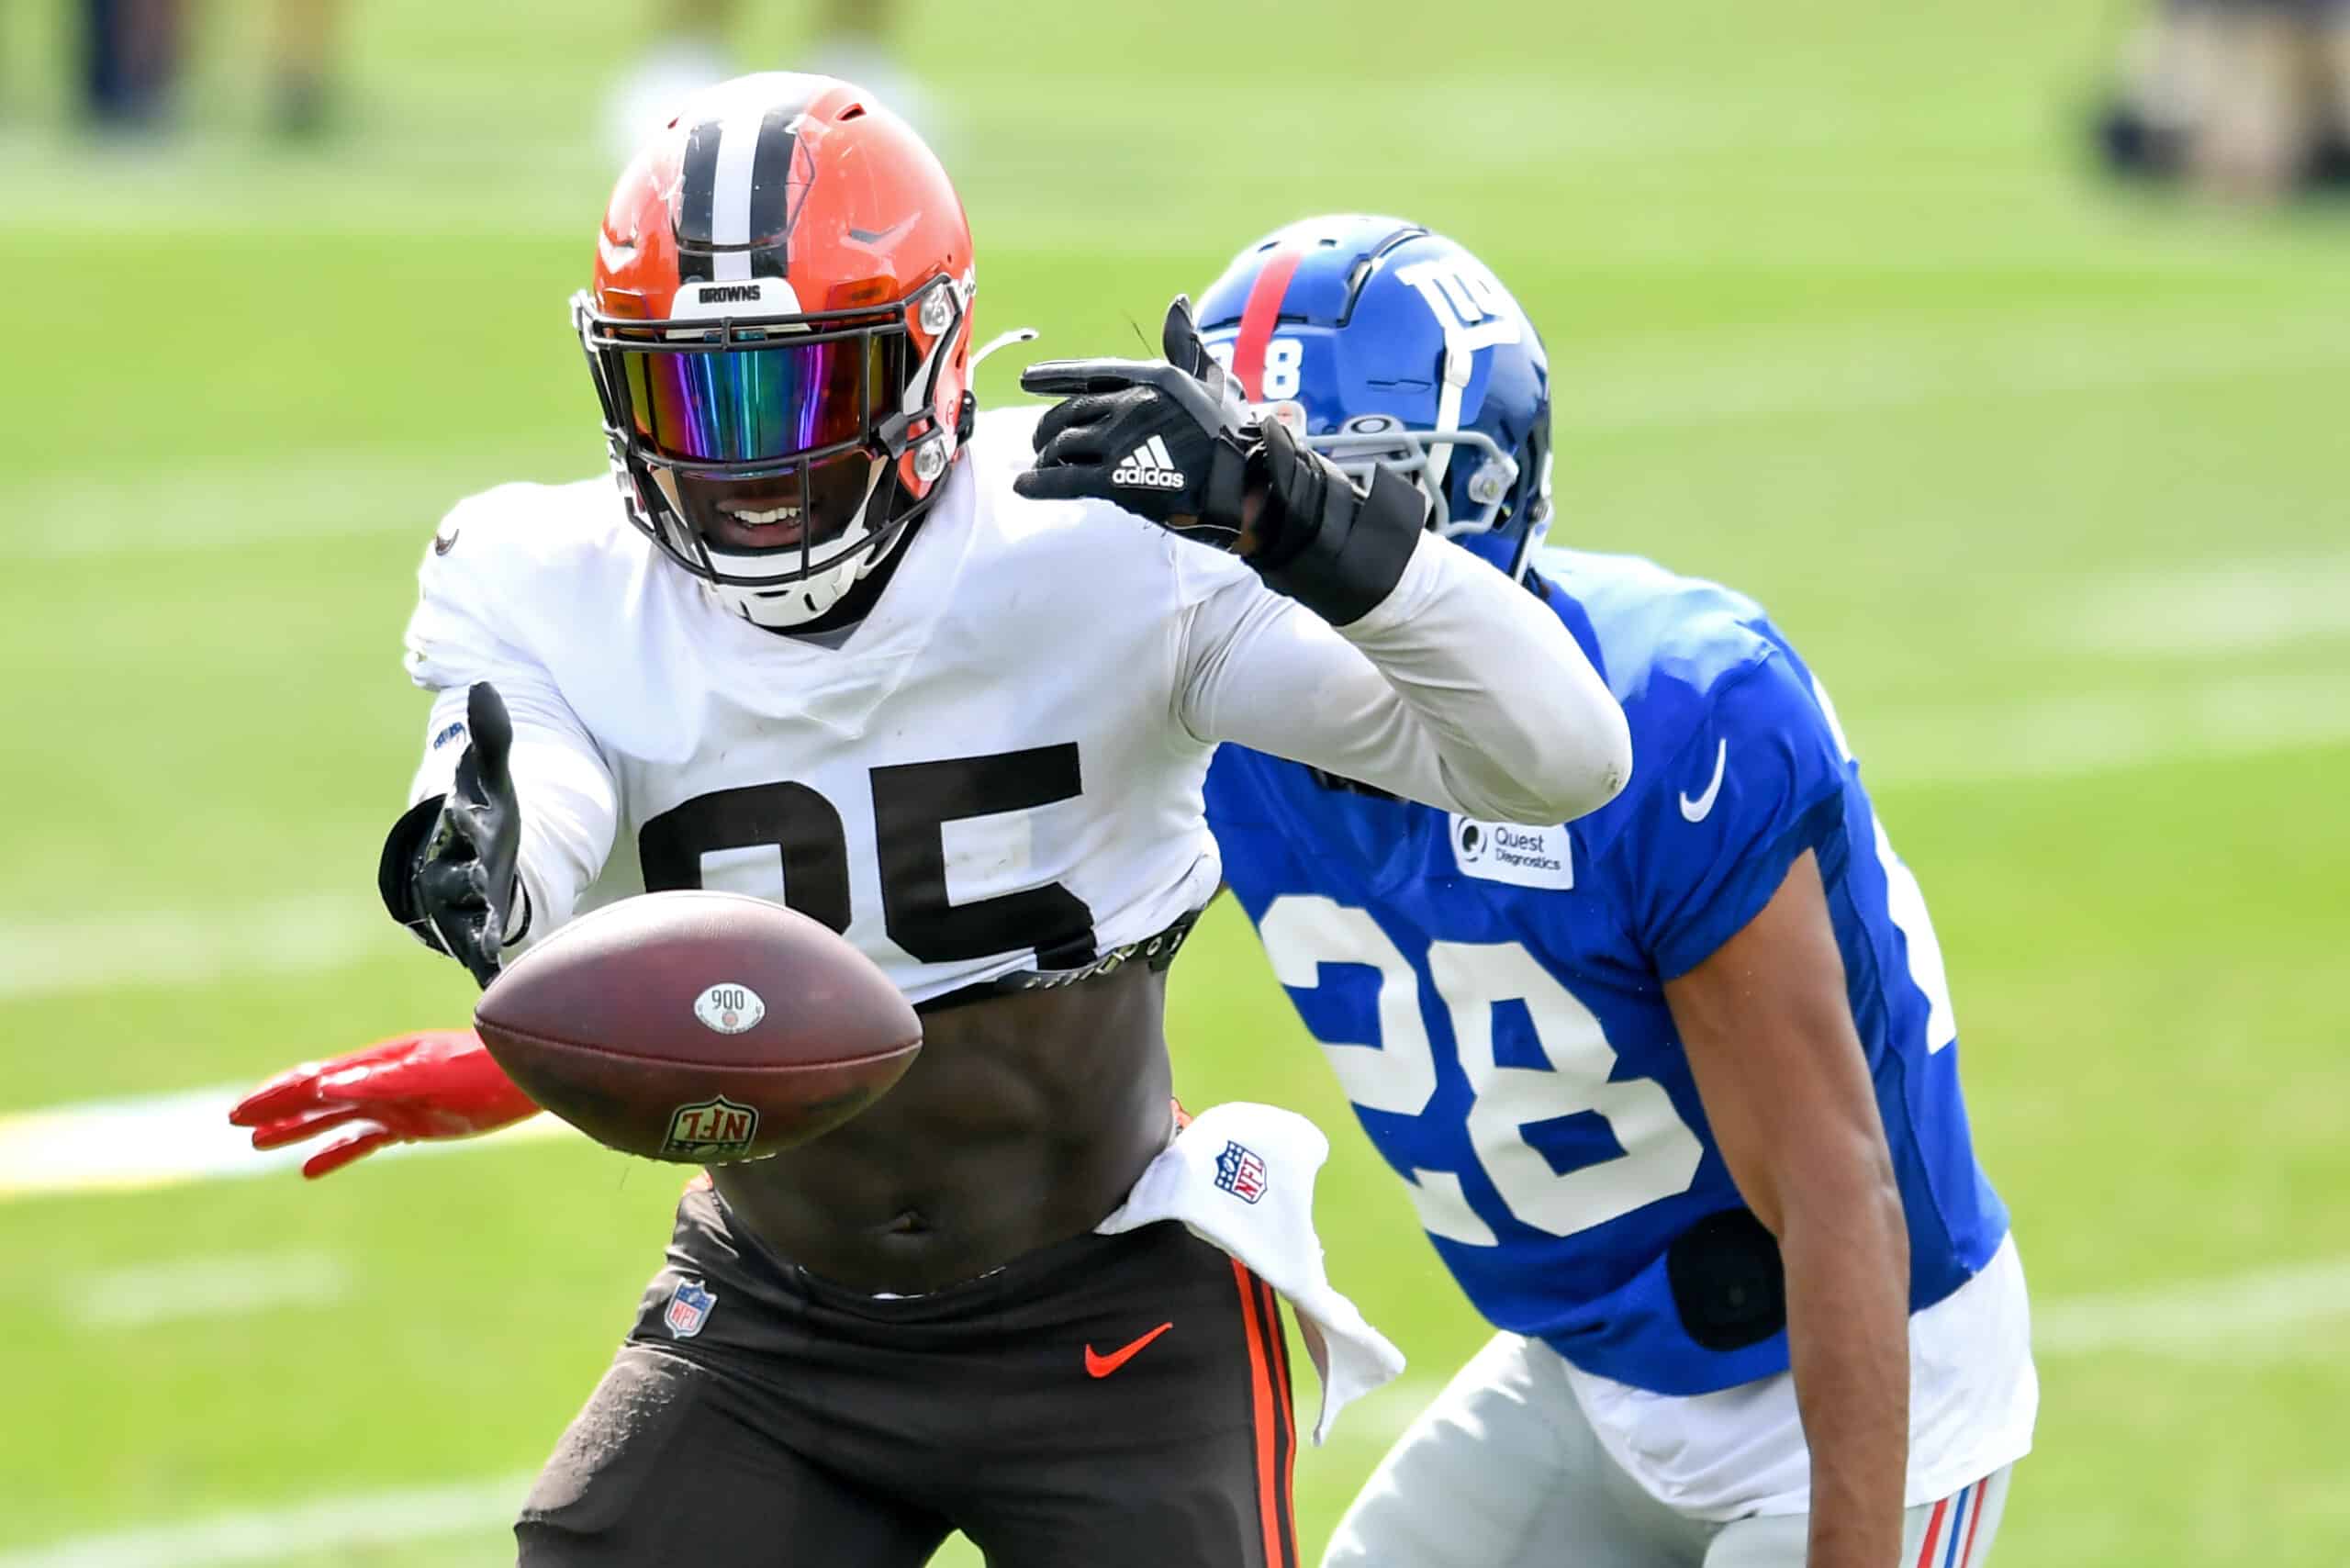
pixel 995 777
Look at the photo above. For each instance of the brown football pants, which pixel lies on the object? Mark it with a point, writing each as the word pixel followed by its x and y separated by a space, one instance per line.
pixel 1110 1399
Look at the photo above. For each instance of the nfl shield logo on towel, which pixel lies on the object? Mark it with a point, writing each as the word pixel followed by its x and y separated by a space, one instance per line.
pixel 688 1309
pixel 1239 1172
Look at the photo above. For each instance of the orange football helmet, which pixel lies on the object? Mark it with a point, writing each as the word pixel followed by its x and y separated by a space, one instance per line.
pixel 780 332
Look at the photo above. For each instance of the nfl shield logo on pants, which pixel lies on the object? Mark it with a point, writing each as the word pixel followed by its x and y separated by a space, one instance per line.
pixel 688 1309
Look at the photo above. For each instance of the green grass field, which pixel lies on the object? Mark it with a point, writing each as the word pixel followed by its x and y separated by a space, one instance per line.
pixel 2049 483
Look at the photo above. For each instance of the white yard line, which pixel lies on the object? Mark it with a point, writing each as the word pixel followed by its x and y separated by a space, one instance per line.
pixel 182 947
pixel 223 1285
pixel 1671 381
pixel 167 1140
pixel 2207 608
pixel 352 1521
pixel 228 504
pixel 2222 1318
pixel 2232 1317
pixel 2084 734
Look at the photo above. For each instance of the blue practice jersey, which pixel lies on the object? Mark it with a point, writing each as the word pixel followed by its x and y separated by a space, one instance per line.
pixel 1492 996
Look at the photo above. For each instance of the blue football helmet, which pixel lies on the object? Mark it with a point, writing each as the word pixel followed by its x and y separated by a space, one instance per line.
pixel 1381 342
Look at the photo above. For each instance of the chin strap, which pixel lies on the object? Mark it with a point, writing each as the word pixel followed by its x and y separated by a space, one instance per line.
pixel 1001 341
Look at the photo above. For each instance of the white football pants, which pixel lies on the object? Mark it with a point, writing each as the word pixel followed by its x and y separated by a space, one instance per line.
pixel 1504 1472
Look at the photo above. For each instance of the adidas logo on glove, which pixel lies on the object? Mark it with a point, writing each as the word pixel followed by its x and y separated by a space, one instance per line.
pixel 1150 468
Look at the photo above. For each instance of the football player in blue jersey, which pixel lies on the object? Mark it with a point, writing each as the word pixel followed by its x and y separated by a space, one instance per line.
pixel 1674 1087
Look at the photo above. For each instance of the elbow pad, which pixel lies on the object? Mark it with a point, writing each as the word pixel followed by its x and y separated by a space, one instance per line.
pixel 1336 549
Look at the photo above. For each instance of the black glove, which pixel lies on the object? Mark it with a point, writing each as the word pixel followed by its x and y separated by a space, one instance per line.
pixel 1166 441
pixel 1175 443
pixel 448 868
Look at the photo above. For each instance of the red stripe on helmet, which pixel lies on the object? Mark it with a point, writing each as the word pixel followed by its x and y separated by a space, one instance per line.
pixel 1257 319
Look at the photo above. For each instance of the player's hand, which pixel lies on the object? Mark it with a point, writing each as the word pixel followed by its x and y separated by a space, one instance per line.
pixel 1168 440
pixel 435 1084
pixel 1175 443
pixel 457 885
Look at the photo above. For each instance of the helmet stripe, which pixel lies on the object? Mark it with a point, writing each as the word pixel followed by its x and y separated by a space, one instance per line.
pixel 730 212
pixel 697 194
pixel 1257 319
pixel 773 211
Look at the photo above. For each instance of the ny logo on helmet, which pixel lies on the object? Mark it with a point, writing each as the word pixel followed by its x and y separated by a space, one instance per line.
pixel 1470 303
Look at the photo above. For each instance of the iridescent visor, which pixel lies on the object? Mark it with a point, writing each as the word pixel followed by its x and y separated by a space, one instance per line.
pixel 759 401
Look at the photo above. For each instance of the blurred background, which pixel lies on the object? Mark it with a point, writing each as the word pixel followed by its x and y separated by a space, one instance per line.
pixel 2001 349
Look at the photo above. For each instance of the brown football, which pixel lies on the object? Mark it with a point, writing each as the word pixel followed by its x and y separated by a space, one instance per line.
pixel 699 1027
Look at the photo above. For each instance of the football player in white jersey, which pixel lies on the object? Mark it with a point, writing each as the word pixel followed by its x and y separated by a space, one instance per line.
pixel 937 680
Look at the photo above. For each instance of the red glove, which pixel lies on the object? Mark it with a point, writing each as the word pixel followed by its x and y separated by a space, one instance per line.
pixel 435 1084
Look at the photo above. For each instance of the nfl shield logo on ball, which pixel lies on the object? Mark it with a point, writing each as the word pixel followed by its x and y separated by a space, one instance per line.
pixel 730 1009
pixel 709 1130
pixel 1239 1172
pixel 688 1309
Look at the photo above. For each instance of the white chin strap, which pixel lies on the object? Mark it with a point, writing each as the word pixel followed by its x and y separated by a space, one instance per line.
pixel 791 604
pixel 781 605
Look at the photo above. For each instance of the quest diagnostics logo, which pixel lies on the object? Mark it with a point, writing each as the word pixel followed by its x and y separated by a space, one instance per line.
pixel 1521 856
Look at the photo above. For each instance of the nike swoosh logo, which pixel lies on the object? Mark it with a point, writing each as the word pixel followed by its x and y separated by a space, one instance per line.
pixel 1103 1366
pixel 1696 811
pixel 444 542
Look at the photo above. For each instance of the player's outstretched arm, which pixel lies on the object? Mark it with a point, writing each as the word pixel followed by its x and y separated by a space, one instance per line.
pixel 1459 688
pixel 434 1084
pixel 512 808
pixel 1786 1085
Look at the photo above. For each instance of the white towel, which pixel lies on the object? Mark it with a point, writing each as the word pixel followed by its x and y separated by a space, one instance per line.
pixel 1241 1177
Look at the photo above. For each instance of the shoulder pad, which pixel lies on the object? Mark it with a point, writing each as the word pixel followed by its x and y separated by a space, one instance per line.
pixel 498 558
pixel 1671 648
